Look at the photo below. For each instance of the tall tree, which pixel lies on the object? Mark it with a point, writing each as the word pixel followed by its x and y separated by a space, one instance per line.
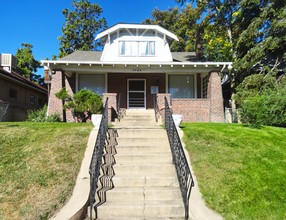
pixel 261 46
pixel 80 27
pixel 26 63
pixel 181 22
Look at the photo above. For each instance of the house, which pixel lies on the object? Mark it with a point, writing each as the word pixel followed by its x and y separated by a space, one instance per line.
pixel 136 64
pixel 17 94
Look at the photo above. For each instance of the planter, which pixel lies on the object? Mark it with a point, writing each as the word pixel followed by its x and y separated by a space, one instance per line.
pixel 96 119
pixel 177 119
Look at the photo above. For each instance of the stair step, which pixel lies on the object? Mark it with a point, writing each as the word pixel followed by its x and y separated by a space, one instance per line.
pixel 159 209
pixel 126 181
pixel 141 149
pixel 142 141
pixel 164 158
pixel 143 193
pixel 144 170
pixel 155 132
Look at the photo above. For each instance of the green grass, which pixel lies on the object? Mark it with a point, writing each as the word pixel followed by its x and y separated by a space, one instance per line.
pixel 39 163
pixel 241 171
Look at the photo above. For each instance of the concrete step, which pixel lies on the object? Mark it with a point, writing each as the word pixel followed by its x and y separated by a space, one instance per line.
pixel 151 141
pixel 143 193
pixel 138 150
pixel 127 159
pixel 141 218
pixel 154 181
pixel 151 132
pixel 144 170
pixel 149 209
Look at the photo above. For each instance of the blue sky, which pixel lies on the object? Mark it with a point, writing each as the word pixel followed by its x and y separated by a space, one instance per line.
pixel 39 22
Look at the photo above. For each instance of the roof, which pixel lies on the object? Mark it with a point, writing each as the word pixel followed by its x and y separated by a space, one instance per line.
pixel 13 76
pixel 85 56
pixel 137 26
pixel 82 56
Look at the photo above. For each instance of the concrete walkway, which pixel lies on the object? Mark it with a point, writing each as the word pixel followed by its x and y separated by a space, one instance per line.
pixel 146 185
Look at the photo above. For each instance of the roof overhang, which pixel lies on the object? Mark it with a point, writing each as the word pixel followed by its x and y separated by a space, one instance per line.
pixel 117 66
pixel 136 26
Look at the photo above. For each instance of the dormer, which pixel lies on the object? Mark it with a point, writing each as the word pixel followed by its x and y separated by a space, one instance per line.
pixel 136 43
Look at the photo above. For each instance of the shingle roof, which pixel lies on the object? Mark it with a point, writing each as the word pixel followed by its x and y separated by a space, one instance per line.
pixel 20 79
pixel 82 56
pixel 96 55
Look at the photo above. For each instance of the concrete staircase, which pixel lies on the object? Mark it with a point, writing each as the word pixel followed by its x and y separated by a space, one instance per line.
pixel 145 181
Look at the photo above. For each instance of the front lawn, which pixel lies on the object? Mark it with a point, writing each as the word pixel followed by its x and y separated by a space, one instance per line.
pixel 241 171
pixel 39 163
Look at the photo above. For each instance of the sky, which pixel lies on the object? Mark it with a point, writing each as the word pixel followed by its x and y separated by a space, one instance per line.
pixel 39 22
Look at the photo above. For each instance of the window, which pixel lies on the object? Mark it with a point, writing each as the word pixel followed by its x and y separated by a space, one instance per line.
pixel 137 48
pixel 13 93
pixel 181 86
pixel 205 82
pixel 94 82
pixel 32 100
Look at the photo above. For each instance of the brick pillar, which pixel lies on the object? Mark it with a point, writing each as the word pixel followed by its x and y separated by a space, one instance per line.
pixel 216 98
pixel 112 105
pixel 59 81
pixel 69 114
pixel 55 105
pixel 161 103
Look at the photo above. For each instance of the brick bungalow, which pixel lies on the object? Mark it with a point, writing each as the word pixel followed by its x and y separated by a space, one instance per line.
pixel 19 93
pixel 137 63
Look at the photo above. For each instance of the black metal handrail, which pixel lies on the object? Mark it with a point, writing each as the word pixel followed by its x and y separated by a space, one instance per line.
pixel 179 158
pixel 96 161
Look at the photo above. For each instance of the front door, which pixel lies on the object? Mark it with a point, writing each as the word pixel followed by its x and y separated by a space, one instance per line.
pixel 136 93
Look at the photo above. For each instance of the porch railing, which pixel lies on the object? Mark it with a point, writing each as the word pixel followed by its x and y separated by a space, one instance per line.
pixel 179 158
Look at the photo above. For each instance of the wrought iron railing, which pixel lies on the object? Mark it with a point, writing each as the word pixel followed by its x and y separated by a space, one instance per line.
pixel 179 158
pixel 96 161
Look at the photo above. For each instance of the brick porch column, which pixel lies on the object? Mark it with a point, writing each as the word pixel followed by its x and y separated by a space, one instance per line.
pixel 216 98
pixel 112 105
pixel 55 105
pixel 161 103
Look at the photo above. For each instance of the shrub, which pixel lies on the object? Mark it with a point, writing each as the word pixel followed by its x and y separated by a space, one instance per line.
pixel 40 116
pixel 83 103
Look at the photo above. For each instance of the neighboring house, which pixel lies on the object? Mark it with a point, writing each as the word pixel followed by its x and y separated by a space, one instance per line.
pixel 136 63
pixel 19 93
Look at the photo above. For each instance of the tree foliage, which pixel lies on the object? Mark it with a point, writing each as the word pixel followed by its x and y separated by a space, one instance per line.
pixel 80 27
pixel 27 65
pixel 181 22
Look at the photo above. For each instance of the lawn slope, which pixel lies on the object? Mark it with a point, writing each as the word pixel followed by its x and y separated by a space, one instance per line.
pixel 39 163
pixel 241 171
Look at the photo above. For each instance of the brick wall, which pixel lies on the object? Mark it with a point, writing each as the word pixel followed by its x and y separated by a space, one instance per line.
pixel 193 110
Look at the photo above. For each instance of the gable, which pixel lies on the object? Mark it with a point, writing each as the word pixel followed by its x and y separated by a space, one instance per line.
pixel 129 42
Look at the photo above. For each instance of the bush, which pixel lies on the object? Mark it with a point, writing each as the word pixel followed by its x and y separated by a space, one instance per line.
pixel 83 103
pixel 262 100
pixel 265 108
pixel 41 116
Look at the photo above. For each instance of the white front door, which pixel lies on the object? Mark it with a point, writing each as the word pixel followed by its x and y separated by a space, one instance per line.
pixel 136 93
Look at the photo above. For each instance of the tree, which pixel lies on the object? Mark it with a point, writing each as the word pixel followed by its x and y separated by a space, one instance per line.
pixel 261 46
pixel 80 27
pixel 182 23
pixel 26 63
